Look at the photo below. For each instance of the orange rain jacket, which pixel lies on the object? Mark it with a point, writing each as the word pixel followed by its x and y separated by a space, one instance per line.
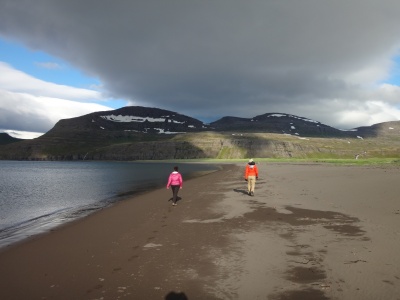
pixel 251 170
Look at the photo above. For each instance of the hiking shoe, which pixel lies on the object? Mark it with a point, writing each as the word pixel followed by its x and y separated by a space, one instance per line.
pixel 252 194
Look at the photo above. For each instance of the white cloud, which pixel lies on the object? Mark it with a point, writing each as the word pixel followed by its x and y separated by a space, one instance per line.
pixel 17 81
pixel 388 93
pixel 368 113
pixel 25 112
pixel 28 104
pixel 49 65
pixel 371 73
pixel 26 135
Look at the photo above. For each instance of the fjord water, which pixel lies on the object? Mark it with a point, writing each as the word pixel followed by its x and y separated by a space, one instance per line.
pixel 36 196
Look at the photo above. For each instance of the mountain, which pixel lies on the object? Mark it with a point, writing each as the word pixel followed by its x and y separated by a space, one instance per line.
pixel 147 120
pixel 279 123
pixel 134 123
pixel 133 118
pixel 384 130
pixel 5 139
pixel 142 133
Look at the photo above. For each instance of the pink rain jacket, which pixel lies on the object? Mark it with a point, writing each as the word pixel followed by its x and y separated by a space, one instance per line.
pixel 175 178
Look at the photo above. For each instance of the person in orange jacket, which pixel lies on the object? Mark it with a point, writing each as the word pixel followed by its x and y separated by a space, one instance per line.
pixel 251 175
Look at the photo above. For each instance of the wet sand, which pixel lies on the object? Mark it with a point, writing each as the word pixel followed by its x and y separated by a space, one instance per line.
pixel 310 232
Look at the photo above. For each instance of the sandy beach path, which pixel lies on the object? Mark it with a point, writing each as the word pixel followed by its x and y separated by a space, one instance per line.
pixel 310 232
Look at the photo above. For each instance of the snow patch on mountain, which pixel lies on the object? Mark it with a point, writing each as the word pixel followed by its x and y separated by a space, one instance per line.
pixel 129 119
pixel 292 116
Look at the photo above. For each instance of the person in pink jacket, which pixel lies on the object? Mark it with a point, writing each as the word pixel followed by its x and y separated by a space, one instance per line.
pixel 175 181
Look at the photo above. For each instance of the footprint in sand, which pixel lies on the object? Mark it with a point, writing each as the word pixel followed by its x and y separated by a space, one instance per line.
pixel 133 257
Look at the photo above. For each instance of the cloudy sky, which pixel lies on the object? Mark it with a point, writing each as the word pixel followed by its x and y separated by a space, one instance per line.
pixel 337 62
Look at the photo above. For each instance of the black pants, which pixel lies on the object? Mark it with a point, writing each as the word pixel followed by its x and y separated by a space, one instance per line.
pixel 175 190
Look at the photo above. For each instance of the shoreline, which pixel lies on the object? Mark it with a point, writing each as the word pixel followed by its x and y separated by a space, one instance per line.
pixel 310 232
pixel 38 224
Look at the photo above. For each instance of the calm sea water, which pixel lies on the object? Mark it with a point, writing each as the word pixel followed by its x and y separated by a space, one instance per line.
pixel 37 196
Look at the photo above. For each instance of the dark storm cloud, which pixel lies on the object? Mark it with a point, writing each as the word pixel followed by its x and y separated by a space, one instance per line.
pixel 213 58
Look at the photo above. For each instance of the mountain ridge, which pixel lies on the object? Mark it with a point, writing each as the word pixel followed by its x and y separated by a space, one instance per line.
pixel 5 139
pixel 155 120
pixel 280 123
pixel 136 132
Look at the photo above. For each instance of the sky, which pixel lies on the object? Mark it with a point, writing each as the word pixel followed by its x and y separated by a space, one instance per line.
pixel 336 62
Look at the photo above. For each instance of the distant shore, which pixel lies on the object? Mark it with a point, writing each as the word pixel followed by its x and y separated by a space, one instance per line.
pixel 312 231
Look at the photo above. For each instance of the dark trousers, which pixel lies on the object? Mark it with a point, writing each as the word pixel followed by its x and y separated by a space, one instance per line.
pixel 175 190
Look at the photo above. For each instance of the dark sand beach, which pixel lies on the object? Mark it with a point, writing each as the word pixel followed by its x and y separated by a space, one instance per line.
pixel 311 231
